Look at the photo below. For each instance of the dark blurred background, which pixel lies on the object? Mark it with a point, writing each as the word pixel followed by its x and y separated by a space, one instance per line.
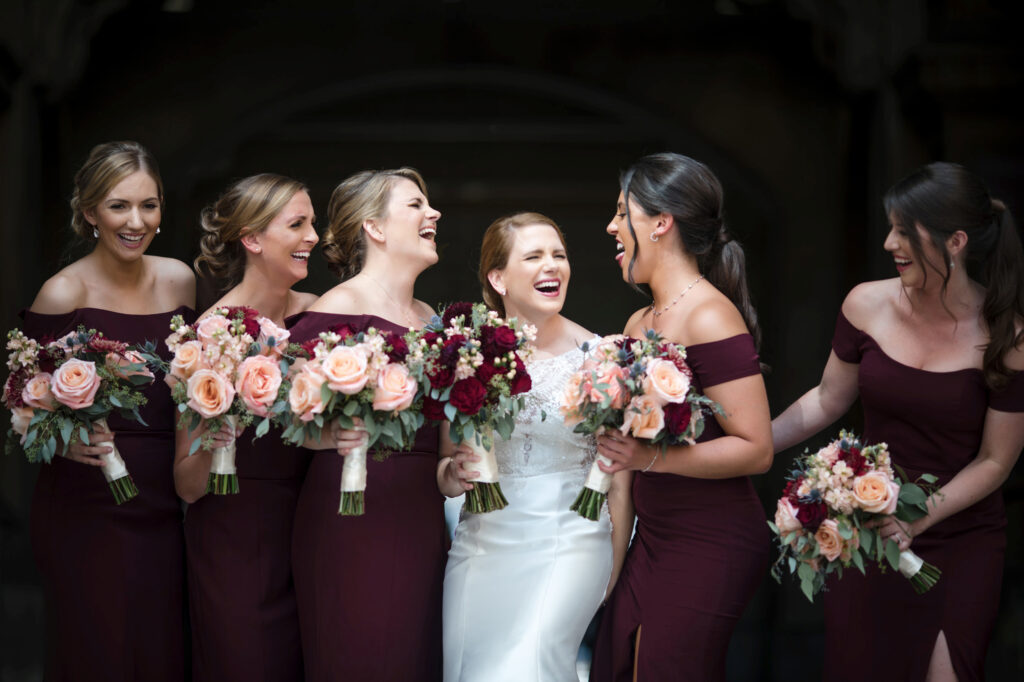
pixel 806 109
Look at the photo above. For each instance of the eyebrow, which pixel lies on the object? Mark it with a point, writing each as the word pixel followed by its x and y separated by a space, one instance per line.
pixel 126 201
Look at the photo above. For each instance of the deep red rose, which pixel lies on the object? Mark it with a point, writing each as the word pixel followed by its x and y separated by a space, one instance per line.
pixel 811 515
pixel 790 491
pixel 344 330
pixel 450 351
pixel 677 417
pixel 857 462
pixel 399 348
pixel 433 409
pixel 486 372
pixel 248 315
pixel 468 395
pixel 47 359
pixel 455 310
pixel 431 337
pixel 496 341
pixel 309 347
pixel 440 376
pixel 521 382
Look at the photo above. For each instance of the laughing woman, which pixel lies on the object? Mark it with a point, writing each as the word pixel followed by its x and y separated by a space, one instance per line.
pixel 113 575
pixel 935 355
pixel 369 587
pixel 256 242
pixel 701 545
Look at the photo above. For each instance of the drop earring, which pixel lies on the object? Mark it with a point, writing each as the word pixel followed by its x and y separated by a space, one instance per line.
pixel 654 236
pixel 95 232
pixel 158 229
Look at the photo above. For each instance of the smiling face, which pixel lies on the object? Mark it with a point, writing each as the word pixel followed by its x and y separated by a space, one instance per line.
pixel 536 277
pixel 284 246
pixel 625 244
pixel 410 224
pixel 916 270
pixel 128 217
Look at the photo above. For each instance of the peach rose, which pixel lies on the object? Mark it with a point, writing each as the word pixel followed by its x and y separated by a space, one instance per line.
pixel 118 364
pixel 829 454
pixel 395 388
pixel 830 544
pixel 611 377
pixel 345 369
pixel 876 492
pixel 259 378
pixel 785 517
pixel 37 392
pixel 643 416
pixel 665 382
pixel 209 393
pixel 572 399
pixel 20 418
pixel 211 326
pixel 268 331
pixel 187 360
pixel 75 383
pixel 304 395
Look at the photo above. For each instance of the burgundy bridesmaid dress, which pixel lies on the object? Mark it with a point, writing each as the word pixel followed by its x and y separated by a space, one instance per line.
pixel 113 575
pixel 700 551
pixel 369 587
pixel 933 423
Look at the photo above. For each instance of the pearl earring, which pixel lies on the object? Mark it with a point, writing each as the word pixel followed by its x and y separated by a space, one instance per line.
pixel 158 229
pixel 502 292
pixel 654 236
pixel 95 232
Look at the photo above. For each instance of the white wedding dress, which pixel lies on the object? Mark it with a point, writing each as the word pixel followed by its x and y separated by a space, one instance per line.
pixel 523 583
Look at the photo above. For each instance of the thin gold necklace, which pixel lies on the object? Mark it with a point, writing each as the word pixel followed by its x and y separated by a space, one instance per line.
pixel 409 319
pixel 658 313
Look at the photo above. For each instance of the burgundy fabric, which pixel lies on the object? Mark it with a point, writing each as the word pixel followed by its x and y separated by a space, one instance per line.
pixel 932 422
pixel 369 587
pixel 700 551
pixel 113 575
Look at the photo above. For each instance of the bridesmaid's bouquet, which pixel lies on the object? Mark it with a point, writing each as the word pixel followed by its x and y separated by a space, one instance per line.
pixel 471 369
pixel 346 374
pixel 59 392
pixel 821 519
pixel 228 369
pixel 642 387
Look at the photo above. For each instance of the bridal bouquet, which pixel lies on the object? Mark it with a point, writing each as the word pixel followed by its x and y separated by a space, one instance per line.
pixel 60 392
pixel 642 387
pixel 471 369
pixel 227 370
pixel 821 519
pixel 344 375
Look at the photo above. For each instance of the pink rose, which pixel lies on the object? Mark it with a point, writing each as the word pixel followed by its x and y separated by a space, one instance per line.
pixel 187 360
pixel 345 369
pixel 643 417
pixel 610 376
pixel 20 418
pixel 268 331
pixel 830 543
pixel 665 382
pixel 119 363
pixel 395 388
pixel 37 392
pixel 211 326
pixel 785 517
pixel 75 383
pixel 304 395
pixel 259 378
pixel 875 492
pixel 209 393
pixel 829 454
pixel 572 400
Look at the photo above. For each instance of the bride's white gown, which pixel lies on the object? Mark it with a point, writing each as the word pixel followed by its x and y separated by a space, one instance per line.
pixel 522 583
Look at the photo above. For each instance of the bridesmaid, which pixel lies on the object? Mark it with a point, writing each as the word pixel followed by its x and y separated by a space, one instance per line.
pixel 935 355
pixel 701 546
pixel 369 587
pixel 113 575
pixel 256 242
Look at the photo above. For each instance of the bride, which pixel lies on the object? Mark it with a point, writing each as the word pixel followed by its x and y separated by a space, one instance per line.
pixel 522 583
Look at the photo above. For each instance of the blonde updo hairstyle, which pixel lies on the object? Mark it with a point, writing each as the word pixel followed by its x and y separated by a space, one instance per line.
pixel 497 246
pixel 247 207
pixel 108 164
pixel 359 198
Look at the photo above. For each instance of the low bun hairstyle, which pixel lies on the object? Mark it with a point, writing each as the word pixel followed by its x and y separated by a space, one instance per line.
pixel 247 207
pixel 107 165
pixel 358 198
pixel 944 198
pixel 687 190
pixel 497 245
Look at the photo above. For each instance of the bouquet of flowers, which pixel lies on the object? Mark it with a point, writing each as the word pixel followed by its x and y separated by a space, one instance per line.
pixel 472 372
pixel 227 370
pixel 821 519
pixel 346 374
pixel 61 391
pixel 641 387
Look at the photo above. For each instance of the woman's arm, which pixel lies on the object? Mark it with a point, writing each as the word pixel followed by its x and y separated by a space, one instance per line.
pixel 191 472
pixel 820 406
pixel 620 506
pixel 452 477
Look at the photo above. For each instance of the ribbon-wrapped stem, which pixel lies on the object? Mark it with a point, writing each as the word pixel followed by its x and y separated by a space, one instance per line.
pixel 595 491
pixel 115 470
pixel 223 473
pixel 486 495
pixel 353 483
pixel 922 575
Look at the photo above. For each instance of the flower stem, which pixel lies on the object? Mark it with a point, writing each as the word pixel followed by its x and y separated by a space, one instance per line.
pixel 222 484
pixel 485 497
pixel 352 503
pixel 926 578
pixel 588 503
pixel 124 489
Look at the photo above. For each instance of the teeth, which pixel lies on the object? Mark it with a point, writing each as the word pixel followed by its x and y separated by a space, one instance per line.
pixel 130 237
pixel 619 246
pixel 547 286
pixel 428 231
pixel 902 261
pixel 302 255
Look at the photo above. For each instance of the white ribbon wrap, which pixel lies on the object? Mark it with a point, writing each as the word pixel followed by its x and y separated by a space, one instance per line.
pixel 598 480
pixel 353 471
pixel 113 464
pixel 910 564
pixel 487 466
pixel 223 458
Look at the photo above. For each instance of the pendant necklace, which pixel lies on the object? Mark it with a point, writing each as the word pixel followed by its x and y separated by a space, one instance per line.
pixel 658 313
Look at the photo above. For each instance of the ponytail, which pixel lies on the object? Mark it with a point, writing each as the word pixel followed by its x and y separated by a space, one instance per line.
pixel 726 268
pixel 1002 273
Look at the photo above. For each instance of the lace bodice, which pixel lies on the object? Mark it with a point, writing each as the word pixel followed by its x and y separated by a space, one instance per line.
pixel 541 442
